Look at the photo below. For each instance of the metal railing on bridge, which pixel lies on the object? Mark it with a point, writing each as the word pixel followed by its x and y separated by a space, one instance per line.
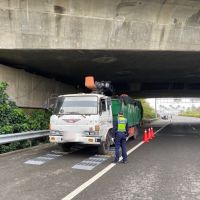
pixel 8 138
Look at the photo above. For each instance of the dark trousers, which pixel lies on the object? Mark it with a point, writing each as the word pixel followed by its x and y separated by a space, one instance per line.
pixel 120 141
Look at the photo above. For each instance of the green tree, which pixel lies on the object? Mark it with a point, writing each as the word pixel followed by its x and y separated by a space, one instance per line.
pixel 149 112
pixel 14 119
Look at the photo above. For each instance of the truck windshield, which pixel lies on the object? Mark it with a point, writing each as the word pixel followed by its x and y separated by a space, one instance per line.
pixel 81 105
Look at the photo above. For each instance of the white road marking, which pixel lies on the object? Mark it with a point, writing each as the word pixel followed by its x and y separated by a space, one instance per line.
pixel 91 162
pixel 89 182
pixel 40 160
pixel 44 158
pixel 53 155
pixel 101 173
pixel 60 152
pixel 193 128
pixel 162 128
pixel 35 162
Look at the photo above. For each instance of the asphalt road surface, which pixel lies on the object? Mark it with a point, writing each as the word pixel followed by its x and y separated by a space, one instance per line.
pixel 167 167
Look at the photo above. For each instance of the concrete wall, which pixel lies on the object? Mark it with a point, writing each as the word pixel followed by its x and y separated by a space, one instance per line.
pixel 100 24
pixel 29 90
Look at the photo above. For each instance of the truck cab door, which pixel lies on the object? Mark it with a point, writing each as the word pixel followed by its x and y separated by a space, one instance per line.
pixel 105 115
pixel 109 109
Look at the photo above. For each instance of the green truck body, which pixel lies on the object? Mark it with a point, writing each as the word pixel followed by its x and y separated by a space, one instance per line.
pixel 132 109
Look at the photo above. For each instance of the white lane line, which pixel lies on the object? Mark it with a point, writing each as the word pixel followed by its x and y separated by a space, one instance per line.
pixel 101 173
pixel 89 182
pixel 162 128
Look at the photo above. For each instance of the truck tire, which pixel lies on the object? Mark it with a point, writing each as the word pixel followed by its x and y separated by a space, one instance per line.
pixel 104 147
pixel 65 147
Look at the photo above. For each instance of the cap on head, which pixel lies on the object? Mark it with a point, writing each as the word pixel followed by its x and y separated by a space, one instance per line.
pixel 120 114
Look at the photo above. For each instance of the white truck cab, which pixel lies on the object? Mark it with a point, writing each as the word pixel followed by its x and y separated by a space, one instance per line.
pixel 82 119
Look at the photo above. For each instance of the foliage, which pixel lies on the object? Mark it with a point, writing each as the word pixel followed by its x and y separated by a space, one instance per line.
pixel 39 120
pixel 15 120
pixel 191 112
pixel 12 118
pixel 149 112
pixel 21 145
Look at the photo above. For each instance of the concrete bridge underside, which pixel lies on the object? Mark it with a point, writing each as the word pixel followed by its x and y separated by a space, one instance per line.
pixel 138 73
pixel 147 48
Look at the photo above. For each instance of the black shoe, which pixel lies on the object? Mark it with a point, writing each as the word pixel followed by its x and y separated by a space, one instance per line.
pixel 124 161
pixel 115 161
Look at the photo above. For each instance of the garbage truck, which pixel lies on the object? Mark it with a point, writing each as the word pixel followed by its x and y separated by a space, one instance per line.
pixel 87 118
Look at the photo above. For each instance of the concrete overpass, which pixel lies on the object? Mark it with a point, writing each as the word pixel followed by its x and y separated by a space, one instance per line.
pixel 147 48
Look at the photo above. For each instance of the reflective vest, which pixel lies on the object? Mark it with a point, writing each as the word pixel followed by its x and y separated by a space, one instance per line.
pixel 121 127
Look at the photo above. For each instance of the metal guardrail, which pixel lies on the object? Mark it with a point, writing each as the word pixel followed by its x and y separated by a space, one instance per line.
pixel 8 138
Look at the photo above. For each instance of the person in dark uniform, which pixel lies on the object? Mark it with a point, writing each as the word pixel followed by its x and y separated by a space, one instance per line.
pixel 120 132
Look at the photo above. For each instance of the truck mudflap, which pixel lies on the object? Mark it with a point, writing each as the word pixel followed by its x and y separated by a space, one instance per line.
pixel 131 131
pixel 84 140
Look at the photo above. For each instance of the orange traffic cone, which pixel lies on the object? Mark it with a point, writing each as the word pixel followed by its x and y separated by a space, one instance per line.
pixel 149 134
pixel 145 138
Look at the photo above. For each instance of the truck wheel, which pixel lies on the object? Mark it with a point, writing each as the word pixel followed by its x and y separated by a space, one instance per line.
pixel 104 147
pixel 65 147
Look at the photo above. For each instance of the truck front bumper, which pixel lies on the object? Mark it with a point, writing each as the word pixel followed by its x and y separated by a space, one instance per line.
pixel 93 140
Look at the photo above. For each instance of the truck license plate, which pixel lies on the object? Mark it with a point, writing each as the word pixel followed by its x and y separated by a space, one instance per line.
pixel 90 140
pixel 55 139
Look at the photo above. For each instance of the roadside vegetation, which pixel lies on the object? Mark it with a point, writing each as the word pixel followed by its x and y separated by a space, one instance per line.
pixel 191 112
pixel 15 120
pixel 149 112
